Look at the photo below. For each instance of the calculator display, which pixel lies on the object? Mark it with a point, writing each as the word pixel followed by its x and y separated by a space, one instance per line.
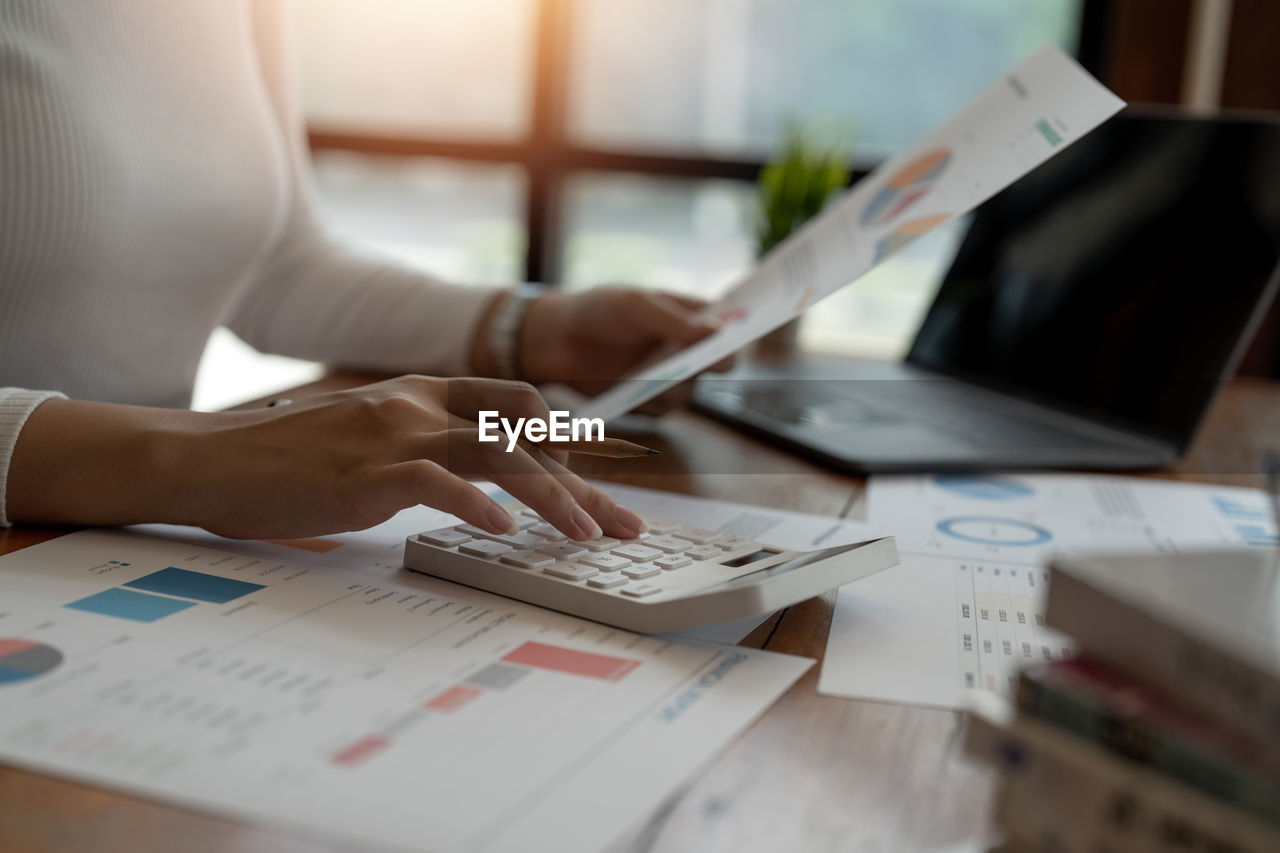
pixel 747 559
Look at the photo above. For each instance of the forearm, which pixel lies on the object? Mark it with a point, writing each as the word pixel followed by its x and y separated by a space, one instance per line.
pixel 81 463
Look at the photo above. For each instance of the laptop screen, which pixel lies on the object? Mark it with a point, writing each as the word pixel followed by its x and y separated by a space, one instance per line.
pixel 1117 279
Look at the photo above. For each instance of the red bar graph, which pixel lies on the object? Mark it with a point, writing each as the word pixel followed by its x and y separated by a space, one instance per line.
pixel 452 699
pixel 361 750
pixel 560 659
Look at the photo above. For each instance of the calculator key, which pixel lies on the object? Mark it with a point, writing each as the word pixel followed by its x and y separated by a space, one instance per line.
pixel 696 535
pixel 527 559
pixel 636 553
pixel 604 543
pixel 605 562
pixel 607 581
pixel 546 531
pixel 570 571
pixel 672 561
pixel 445 537
pixel 705 552
pixel 560 550
pixel 643 570
pixel 640 590
pixel 734 543
pixel 473 531
pixel 669 544
pixel 661 528
pixel 485 548
pixel 516 540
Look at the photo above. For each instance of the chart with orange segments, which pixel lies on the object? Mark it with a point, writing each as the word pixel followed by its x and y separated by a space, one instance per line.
pixel 906 186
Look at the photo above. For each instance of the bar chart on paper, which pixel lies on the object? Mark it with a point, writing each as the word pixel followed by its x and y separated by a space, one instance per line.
pixel 353 702
pixel 963 611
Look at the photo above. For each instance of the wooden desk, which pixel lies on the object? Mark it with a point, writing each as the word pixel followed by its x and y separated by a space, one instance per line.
pixel 814 773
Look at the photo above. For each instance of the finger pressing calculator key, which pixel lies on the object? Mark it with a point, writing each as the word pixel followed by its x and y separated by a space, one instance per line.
pixel 546 531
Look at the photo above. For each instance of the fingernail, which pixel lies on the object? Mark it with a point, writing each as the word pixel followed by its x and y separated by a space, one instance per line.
pixel 628 520
pixel 500 521
pixel 585 524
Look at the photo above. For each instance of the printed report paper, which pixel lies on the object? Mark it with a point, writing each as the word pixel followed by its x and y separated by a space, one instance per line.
pixel 964 609
pixel 1043 105
pixel 383 707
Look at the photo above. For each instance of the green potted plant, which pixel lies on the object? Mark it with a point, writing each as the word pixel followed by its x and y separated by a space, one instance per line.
pixel 793 187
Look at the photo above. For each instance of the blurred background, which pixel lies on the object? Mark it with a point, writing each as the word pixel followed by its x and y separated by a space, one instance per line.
pixel 580 142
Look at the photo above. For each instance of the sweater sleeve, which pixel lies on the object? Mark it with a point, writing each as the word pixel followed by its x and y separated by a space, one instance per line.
pixel 315 298
pixel 16 405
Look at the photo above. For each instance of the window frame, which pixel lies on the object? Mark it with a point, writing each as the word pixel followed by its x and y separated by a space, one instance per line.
pixel 549 157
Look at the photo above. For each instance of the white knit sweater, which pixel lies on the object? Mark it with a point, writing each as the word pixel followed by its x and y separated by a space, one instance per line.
pixel 153 185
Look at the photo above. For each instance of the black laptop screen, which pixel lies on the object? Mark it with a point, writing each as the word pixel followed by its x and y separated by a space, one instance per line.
pixel 1116 279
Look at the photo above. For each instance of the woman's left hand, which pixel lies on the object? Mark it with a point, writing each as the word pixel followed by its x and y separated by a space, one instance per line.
pixel 591 339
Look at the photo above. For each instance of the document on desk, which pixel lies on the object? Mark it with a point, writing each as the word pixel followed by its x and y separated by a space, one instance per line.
pixel 381 707
pixel 963 610
pixel 1031 113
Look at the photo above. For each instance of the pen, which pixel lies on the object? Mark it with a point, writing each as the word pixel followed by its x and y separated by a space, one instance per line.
pixel 614 448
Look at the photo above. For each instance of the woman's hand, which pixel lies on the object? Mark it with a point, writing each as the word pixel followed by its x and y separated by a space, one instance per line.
pixel 331 463
pixel 589 340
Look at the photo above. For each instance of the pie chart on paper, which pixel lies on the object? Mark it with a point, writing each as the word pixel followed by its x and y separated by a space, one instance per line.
pixel 906 186
pixel 23 659
pixel 906 232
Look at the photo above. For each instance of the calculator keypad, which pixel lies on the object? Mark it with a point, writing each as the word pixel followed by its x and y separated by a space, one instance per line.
pixel 668 558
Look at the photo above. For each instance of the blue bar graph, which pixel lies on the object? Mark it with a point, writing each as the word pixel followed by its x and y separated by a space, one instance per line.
pixel 187 584
pixel 127 604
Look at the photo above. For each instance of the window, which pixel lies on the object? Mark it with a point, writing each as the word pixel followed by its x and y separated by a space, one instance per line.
pixel 592 141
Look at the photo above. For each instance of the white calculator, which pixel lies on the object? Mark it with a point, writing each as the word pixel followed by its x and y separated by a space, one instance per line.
pixel 669 579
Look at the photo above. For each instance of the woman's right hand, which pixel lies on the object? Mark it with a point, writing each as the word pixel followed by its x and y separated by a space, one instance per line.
pixel 331 463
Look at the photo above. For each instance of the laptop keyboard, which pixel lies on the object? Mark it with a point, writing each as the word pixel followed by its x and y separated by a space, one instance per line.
pixel 948 407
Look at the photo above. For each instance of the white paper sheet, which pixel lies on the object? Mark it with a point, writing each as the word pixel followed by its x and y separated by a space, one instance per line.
pixel 387 708
pixel 964 609
pixel 1040 107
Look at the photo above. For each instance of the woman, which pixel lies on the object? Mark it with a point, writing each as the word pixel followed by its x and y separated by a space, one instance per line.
pixel 153 184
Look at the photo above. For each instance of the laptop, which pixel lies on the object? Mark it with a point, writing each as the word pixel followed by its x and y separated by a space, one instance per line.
pixel 1089 315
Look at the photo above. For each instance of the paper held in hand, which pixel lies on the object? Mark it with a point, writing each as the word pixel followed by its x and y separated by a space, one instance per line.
pixel 1029 115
